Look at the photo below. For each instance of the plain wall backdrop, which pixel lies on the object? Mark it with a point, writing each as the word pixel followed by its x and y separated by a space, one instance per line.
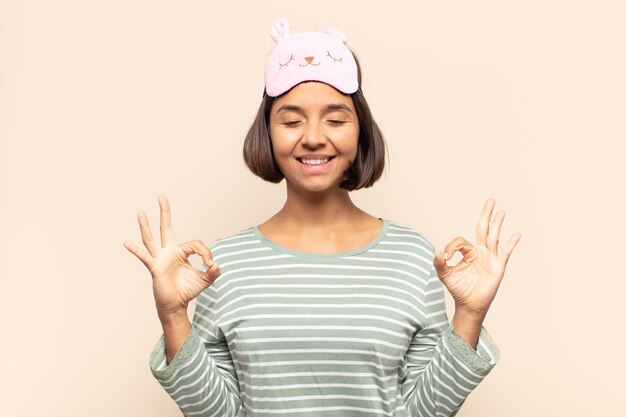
pixel 106 105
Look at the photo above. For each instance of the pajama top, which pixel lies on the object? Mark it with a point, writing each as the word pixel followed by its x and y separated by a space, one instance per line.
pixel 361 333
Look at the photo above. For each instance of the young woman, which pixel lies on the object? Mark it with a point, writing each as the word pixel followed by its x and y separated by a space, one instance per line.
pixel 323 309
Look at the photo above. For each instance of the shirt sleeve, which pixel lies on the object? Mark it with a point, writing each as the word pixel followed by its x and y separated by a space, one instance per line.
pixel 201 378
pixel 441 368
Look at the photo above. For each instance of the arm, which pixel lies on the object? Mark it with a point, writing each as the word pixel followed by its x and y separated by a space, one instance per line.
pixel 195 369
pixel 201 377
pixel 445 365
pixel 441 367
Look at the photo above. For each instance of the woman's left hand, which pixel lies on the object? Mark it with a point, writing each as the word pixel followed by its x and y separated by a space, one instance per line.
pixel 474 281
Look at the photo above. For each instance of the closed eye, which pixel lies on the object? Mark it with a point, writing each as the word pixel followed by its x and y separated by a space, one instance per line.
pixel 337 122
pixel 335 59
pixel 285 64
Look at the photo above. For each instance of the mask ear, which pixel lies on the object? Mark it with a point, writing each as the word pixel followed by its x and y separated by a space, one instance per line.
pixel 340 35
pixel 280 30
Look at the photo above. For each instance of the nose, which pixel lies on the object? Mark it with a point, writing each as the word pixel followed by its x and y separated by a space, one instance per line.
pixel 308 59
pixel 314 136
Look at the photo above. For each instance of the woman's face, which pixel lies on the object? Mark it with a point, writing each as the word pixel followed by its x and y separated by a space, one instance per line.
pixel 315 132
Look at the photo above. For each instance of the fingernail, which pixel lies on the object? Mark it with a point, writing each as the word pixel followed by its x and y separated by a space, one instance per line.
pixel 446 255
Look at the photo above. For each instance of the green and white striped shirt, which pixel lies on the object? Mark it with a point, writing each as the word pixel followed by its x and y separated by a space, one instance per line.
pixel 358 333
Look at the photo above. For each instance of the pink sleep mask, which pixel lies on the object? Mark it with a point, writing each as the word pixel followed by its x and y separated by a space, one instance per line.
pixel 309 56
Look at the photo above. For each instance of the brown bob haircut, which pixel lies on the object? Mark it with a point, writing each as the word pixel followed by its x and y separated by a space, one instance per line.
pixel 364 171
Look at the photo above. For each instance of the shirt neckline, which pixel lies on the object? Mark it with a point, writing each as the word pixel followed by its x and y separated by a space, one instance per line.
pixel 312 255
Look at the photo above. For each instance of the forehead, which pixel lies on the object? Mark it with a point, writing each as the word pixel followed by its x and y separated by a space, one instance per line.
pixel 311 95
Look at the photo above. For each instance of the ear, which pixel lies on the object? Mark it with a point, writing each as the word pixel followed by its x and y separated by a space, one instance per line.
pixel 335 32
pixel 280 30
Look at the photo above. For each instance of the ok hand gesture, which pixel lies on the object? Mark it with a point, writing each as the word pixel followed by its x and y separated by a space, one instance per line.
pixel 474 281
pixel 175 281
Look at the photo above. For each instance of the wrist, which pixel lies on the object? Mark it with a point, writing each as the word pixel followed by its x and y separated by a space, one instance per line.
pixel 469 314
pixel 176 329
pixel 461 321
pixel 175 319
pixel 467 324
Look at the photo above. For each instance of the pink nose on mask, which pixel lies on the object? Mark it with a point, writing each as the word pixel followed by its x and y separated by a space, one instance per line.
pixel 328 60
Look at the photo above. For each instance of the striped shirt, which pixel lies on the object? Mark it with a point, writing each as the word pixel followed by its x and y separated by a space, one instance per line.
pixel 288 333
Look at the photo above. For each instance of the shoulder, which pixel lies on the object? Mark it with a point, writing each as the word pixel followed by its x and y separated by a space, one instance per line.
pixel 244 237
pixel 236 246
pixel 403 235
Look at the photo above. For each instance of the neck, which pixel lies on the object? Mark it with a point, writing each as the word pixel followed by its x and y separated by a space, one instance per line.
pixel 307 209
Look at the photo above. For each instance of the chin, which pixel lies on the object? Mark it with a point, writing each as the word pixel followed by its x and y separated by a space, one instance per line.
pixel 314 188
pixel 322 188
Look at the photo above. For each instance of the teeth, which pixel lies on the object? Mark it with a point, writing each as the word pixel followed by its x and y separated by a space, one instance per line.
pixel 314 161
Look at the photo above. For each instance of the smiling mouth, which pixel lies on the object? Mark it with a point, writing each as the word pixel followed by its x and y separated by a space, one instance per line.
pixel 315 161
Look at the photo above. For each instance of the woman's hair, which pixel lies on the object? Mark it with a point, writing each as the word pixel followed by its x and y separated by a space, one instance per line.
pixel 364 171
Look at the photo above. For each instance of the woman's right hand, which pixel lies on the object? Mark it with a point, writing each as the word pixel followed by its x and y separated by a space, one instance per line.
pixel 175 281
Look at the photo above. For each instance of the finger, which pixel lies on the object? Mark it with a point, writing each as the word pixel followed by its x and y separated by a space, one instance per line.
pixel 483 222
pixel 140 253
pixel 146 234
pixel 441 266
pixel 508 249
pixel 198 247
pixel 494 232
pixel 167 234
pixel 462 245
pixel 213 272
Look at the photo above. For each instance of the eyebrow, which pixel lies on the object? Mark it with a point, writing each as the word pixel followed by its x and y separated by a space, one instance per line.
pixel 328 107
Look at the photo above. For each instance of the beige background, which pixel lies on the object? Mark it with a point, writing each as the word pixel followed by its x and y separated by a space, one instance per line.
pixel 106 105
